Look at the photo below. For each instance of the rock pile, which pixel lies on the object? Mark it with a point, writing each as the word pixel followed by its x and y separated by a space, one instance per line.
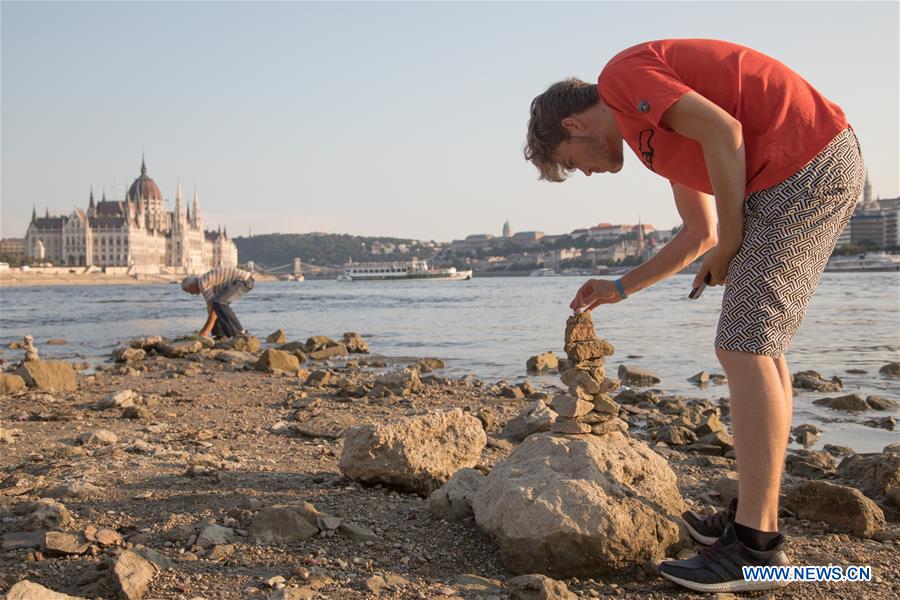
pixel 584 498
pixel 587 407
pixel 31 352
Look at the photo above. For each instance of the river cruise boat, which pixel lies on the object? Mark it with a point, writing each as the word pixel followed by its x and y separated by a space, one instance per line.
pixel 399 271
pixel 868 261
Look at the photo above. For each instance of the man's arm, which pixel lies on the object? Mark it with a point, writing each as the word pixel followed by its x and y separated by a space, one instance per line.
pixel 210 320
pixel 722 140
pixel 697 235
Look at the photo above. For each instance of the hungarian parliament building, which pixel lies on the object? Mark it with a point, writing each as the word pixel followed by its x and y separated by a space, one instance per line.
pixel 136 233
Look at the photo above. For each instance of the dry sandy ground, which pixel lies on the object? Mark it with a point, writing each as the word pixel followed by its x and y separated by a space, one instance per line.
pixel 205 452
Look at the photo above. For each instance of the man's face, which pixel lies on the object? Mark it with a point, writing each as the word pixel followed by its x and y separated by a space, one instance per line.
pixel 590 153
pixel 594 144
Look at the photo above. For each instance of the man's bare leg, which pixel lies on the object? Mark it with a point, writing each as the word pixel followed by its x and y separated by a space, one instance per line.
pixel 787 384
pixel 761 422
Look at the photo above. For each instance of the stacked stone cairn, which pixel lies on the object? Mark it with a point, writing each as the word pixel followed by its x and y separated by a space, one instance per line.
pixel 31 351
pixel 587 408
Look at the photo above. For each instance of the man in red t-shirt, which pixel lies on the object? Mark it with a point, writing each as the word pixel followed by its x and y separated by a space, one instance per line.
pixel 765 174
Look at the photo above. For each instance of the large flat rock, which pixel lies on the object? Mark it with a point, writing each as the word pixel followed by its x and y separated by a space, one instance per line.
pixel 28 590
pixel 586 506
pixel 416 454
pixel 48 375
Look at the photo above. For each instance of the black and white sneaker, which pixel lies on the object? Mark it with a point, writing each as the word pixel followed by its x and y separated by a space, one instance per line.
pixel 718 567
pixel 706 529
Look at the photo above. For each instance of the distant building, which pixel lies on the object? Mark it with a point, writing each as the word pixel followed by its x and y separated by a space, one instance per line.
pixel 578 233
pixel 506 231
pixel 476 241
pixel 868 228
pixel 135 232
pixel 13 248
pixel 614 252
pixel 553 259
pixel 891 209
pixel 608 232
pixel 528 238
pixel 875 222
pixel 552 239
pixel 867 191
pixel 845 237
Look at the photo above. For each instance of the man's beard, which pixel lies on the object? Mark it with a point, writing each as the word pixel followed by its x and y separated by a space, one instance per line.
pixel 604 150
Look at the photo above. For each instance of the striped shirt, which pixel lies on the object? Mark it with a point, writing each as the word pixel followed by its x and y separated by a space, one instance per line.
pixel 220 278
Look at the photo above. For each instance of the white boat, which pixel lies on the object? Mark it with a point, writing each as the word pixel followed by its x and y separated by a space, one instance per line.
pixel 867 261
pixel 391 271
pixel 544 272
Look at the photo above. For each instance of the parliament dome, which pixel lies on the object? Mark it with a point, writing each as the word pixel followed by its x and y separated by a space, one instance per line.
pixel 144 187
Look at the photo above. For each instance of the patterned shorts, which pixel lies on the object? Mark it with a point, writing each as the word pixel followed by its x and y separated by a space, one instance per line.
pixel 790 231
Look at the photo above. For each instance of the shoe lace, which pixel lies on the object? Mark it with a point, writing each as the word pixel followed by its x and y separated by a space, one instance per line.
pixel 710 552
pixel 719 520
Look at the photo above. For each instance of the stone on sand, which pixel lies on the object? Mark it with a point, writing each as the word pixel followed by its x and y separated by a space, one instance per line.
pixel 453 500
pixel 11 383
pixel 845 509
pixel 538 587
pixel 131 574
pixel 48 375
pixel 548 361
pixel 637 376
pixel 28 590
pixel 280 525
pixel 277 361
pixel 416 454
pixel 277 337
pixel 580 506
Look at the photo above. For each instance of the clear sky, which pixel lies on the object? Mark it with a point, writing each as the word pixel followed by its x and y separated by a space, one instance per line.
pixel 403 119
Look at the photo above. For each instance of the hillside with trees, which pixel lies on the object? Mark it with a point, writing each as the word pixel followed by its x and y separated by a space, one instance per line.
pixel 325 249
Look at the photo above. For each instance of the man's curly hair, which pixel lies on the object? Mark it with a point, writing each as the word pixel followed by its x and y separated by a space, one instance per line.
pixel 545 130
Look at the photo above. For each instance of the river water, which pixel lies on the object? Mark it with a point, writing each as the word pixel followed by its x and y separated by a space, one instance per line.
pixel 490 326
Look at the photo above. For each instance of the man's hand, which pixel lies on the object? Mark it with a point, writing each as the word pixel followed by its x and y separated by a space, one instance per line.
pixel 716 263
pixel 593 293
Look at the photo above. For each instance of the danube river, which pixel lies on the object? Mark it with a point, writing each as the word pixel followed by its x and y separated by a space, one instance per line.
pixel 490 326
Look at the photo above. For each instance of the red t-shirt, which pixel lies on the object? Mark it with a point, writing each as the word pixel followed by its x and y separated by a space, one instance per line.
pixel 785 121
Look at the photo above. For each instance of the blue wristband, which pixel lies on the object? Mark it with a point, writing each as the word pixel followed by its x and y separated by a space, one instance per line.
pixel 621 289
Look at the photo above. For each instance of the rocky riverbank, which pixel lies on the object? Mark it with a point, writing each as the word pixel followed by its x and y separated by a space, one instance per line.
pixel 314 469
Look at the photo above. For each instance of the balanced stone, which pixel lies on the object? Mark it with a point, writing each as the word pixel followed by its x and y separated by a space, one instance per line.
pixel 570 427
pixel 603 403
pixel 610 426
pixel 581 351
pixel 31 352
pixel 595 417
pixel 569 406
pixel 581 379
